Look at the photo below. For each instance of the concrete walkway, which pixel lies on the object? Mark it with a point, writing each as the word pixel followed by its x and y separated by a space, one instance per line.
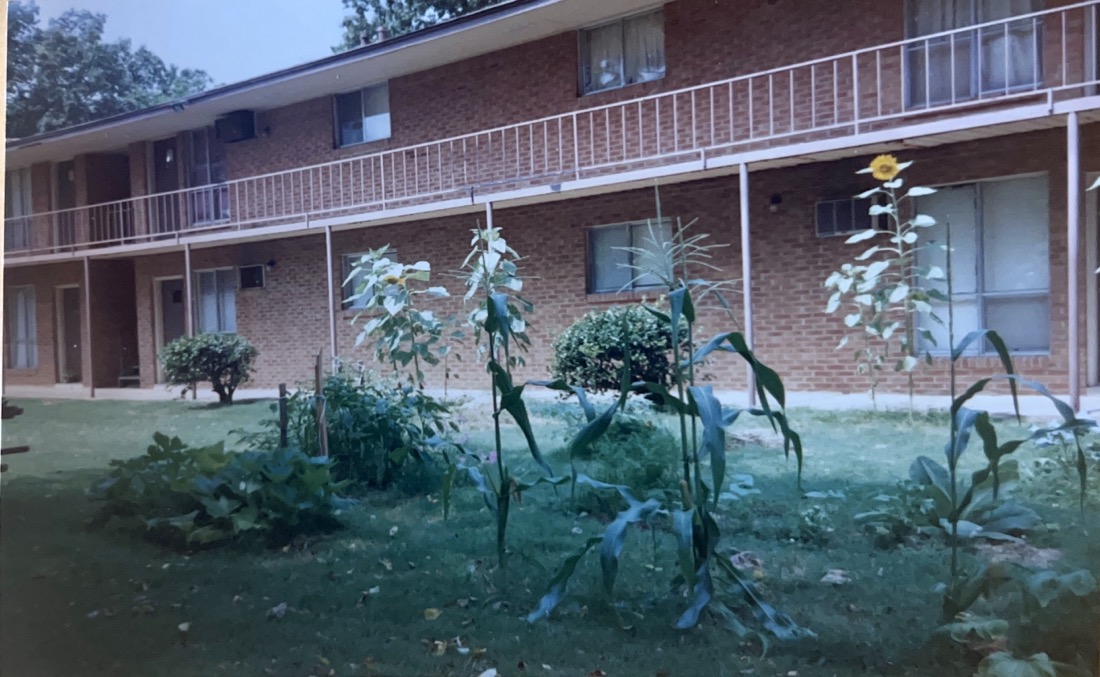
pixel 1030 405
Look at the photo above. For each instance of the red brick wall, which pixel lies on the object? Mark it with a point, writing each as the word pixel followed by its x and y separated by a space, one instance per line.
pixel 45 279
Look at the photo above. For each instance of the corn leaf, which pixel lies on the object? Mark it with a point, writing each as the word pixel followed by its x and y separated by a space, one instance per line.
pixel 560 582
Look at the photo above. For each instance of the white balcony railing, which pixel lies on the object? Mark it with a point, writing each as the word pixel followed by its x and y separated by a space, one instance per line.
pixel 1046 56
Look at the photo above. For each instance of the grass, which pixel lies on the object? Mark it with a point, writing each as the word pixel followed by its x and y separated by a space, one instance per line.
pixel 84 601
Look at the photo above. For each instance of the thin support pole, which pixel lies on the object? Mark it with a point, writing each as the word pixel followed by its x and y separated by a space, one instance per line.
pixel 1073 235
pixel 489 215
pixel 90 371
pixel 746 274
pixel 283 417
pixel 188 298
pixel 331 294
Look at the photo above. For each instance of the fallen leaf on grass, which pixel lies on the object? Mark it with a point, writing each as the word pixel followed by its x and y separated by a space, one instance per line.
pixel 431 614
pixel 277 611
pixel 386 564
pixel 491 672
pixel 393 531
pixel 836 577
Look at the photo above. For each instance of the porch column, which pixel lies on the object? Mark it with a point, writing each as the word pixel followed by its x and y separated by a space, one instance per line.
pixel 189 316
pixel 746 274
pixel 90 371
pixel 1073 236
pixel 331 296
pixel 489 215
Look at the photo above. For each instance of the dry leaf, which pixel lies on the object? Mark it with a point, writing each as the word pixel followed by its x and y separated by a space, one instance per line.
pixel 388 565
pixel 393 531
pixel 431 614
pixel 438 648
pixel 491 672
pixel 184 627
pixel 277 611
pixel 836 577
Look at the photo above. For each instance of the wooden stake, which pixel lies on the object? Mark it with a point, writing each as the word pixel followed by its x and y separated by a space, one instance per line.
pixel 282 416
pixel 322 425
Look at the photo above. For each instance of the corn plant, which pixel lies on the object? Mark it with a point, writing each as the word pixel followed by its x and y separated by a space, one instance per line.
pixel 500 333
pixel 881 292
pixel 702 425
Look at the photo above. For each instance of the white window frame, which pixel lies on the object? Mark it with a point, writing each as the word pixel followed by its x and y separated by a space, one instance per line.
pixel 638 231
pixel 384 89
pixel 219 301
pixel 207 177
pixel 857 206
pixel 625 79
pixel 18 208
pixel 980 295
pixel 22 346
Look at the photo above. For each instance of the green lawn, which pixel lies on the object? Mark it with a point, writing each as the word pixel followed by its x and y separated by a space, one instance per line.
pixel 76 600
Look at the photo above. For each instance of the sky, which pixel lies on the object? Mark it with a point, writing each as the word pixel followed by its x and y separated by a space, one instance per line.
pixel 232 40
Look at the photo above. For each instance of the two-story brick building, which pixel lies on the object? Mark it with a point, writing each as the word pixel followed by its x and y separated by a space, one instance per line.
pixel 238 209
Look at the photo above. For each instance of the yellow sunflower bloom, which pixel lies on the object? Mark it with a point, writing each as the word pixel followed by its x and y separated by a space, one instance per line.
pixel 393 279
pixel 885 167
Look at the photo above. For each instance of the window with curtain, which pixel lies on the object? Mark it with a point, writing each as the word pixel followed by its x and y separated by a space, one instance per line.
pixel 216 301
pixel 363 115
pixel 617 252
pixel 1000 261
pixel 351 285
pixel 998 59
pixel 622 53
pixel 17 209
pixel 206 177
pixel 22 332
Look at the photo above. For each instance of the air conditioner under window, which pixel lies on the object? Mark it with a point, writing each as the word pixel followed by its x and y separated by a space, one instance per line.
pixel 240 125
pixel 845 216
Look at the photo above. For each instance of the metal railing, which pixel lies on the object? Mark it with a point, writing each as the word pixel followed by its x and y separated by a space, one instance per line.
pixel 1045 56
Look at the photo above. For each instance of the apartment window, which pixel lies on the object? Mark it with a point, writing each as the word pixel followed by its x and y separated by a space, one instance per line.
pixel 363 115
pixel 352 284
pixel 208 198
pixel 17 209
pixel 22 333
pixel 216 301
pixel 1000 261
pixel 844 217
pixel 623 52
pixel 998 59
pixel 616 253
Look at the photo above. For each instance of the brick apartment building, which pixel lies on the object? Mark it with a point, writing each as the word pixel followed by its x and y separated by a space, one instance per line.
pixel 237 209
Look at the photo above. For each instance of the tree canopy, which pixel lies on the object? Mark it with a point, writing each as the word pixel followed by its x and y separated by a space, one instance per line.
pixel 397 17
pixel 65 74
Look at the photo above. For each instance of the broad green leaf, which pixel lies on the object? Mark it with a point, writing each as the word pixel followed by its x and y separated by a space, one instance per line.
pixel 876 268
pixel 924 470
pixel 560 582
pixel 683 529
pixel 920 191
pixel 861 236
pixel 703 591
pixel 714 434
pixel 964 424
pixel 922 221
pixel 482 484
pixel 614 539
pixel 512 402
pixel 1003 664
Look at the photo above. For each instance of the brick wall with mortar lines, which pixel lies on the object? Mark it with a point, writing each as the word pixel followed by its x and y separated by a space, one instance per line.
pixel 45 280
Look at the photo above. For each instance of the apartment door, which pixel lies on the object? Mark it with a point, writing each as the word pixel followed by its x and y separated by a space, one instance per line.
pixel 69 357
pixel 171 316
pixel 65 223
pixel 208 199
pixel 166 179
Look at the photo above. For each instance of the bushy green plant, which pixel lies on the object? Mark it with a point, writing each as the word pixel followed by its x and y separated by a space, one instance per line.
pixel 633 452
pixel 376 426
pixel 590 352
pixel 225 360
pixel 194 496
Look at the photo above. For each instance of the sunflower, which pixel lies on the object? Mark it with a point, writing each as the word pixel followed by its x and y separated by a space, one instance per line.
pixel 393 279
pixel 885 167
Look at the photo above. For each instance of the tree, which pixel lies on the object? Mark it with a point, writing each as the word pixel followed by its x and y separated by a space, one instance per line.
pixel 65 74
pixel 397 17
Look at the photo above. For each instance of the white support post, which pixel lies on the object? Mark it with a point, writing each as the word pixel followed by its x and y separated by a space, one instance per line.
pixel 746 274
pixel 90 370
pixel 331 295
pixel 188 295
pixel 489 215
pixel 1073 238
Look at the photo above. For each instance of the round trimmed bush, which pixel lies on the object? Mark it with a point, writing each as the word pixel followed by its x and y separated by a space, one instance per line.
pixel 225 360
pixel 590 352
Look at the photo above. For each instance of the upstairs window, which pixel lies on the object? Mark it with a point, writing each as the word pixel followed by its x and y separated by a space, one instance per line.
pixel 964 65
pixel 623 52
pixel 618 255
pixel 363 115
pixel 208 199
pixel 17 209
pixel 352 285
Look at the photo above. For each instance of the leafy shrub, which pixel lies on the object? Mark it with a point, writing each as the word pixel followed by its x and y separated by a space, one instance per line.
pixel 225 360
pixel 590 352
pixel 375 426
pixel 186 496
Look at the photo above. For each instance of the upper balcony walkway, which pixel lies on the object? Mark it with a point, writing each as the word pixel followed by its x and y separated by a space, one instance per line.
pixel 1030 67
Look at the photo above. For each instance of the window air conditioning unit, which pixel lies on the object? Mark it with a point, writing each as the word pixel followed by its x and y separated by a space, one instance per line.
pixel 240 125
pixel 251 277
pixel 846 216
